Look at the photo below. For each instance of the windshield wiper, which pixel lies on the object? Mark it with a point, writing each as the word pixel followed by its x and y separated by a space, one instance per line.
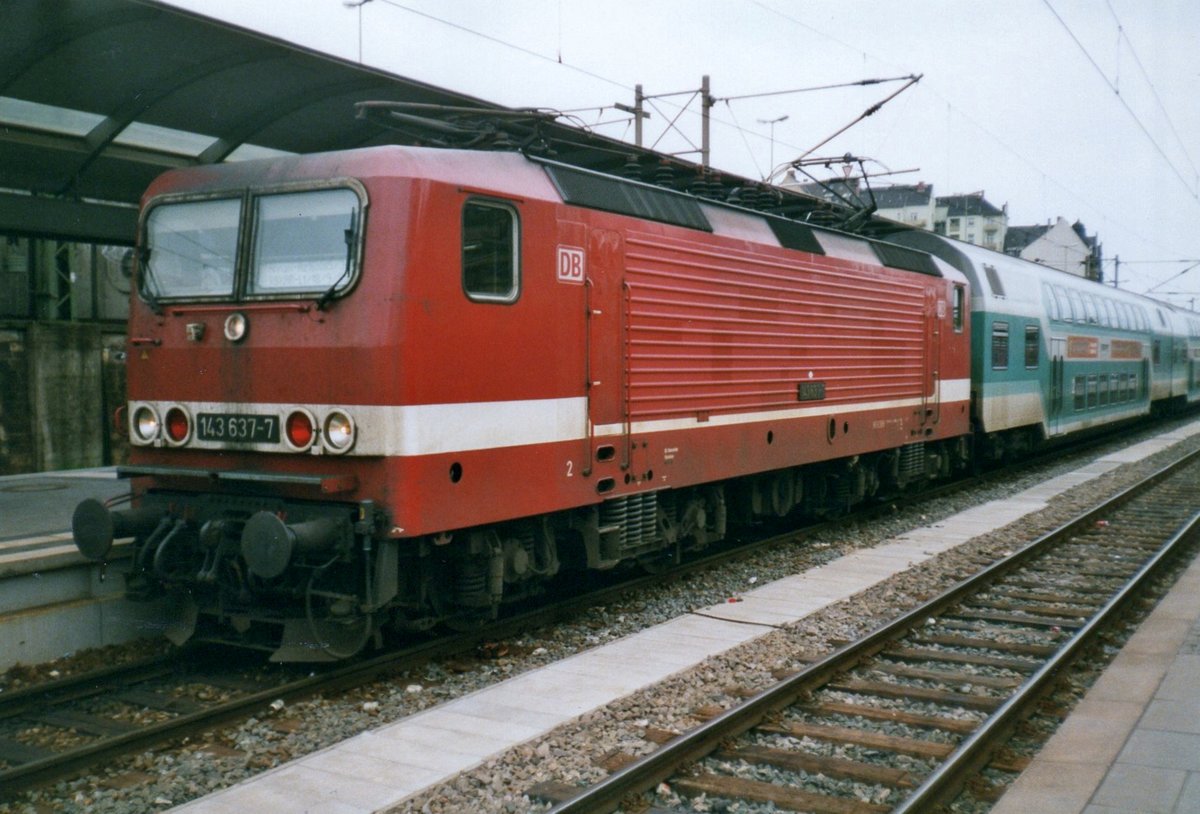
pixel 149 283
pixel 348 235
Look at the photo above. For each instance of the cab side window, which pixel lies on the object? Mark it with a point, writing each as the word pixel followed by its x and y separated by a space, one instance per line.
pixel 490 252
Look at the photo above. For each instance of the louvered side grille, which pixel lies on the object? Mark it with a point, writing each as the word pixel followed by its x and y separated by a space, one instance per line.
pixel 712 331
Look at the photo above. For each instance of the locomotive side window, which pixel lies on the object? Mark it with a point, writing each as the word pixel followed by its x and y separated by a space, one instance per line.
pixel 1000 346
pixel 304 241
pixel 190 249
pixel 489 254
pixel 959 307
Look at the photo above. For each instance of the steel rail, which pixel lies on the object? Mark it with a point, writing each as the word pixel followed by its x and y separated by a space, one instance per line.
pixel 15 702
pixel 947 780
pixel 646 773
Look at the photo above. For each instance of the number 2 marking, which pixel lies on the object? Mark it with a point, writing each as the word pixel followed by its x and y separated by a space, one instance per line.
pixel 570 468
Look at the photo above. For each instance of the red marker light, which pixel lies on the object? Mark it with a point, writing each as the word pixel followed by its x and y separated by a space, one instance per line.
pixel 177 425
pixel 299 430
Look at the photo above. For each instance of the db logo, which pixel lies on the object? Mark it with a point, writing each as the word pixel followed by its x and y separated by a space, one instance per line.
pixel 570 265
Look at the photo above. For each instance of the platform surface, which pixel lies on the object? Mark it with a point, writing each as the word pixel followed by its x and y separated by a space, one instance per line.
pixel 41 504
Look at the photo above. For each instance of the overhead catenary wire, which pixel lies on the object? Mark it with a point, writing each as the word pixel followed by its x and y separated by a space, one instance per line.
pixel 1116 92
pixel 560 58
pixel 1121 35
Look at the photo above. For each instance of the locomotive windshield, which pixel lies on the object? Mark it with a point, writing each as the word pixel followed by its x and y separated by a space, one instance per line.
pixel 303 241
pixel 300 243
pixel 191 249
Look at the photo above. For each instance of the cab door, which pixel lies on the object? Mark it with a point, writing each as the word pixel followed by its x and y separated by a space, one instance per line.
pixel 604 348
pixel 935 313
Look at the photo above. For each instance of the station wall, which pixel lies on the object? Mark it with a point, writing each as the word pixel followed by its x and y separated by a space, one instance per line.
pixel 62 354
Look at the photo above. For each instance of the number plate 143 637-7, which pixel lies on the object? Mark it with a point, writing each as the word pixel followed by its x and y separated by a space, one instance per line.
pixel 237 427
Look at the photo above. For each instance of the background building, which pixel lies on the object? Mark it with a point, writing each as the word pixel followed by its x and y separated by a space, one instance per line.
pixel 972 219
pixel 910 204
pixel 1061 245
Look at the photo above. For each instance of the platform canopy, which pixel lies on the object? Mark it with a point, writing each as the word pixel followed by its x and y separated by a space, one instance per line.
pixel 97 97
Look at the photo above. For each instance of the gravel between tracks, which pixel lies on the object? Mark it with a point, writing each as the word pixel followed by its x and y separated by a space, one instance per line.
pixel 580 750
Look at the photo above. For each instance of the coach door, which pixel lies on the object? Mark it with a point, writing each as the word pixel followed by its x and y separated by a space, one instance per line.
pixel 1058 395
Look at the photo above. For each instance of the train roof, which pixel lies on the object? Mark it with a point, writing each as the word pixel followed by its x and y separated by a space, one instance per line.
pixel 537 178
pixel 1003 282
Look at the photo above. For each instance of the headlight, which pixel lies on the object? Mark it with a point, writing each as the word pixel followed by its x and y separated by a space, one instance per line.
pixel 339 431
pixel 235 326
pixel 145 424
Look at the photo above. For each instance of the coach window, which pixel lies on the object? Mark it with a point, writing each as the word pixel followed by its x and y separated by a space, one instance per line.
pixel 1064 305
pixel 491 236
pixel 959 306
pixel 1033 343
pixel 1077 312
pixel 1000 346
pixel 1051 303
pixel 1078 390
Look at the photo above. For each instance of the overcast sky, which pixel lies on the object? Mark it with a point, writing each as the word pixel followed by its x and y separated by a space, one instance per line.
pixel 1085 109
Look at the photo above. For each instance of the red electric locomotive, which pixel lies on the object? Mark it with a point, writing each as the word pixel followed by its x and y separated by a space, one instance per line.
pixel 404 385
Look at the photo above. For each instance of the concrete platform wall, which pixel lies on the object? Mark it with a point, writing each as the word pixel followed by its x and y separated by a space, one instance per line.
pixel 59 384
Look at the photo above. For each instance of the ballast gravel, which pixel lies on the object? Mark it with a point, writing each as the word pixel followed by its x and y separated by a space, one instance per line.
pixel 587 749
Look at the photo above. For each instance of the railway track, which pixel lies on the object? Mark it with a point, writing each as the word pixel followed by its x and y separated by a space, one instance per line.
pixel 902 719
pixel 49 730
pixel 69 726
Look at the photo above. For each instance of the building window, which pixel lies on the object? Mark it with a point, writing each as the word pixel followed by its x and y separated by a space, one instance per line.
pixel 489 252
pixel 1033 344
pixel 1000 346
